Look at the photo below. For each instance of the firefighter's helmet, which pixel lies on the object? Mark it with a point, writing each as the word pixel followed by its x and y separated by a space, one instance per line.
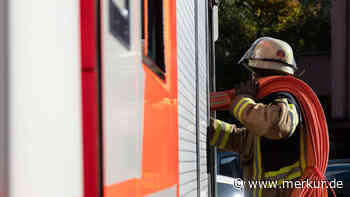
pixel 270 53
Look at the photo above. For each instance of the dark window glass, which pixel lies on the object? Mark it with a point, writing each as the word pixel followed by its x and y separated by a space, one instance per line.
pixel 155 33
pixel 229 164
pixel 142 19
pixel 119 21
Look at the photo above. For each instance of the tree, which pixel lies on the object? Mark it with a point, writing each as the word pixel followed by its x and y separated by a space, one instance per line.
pixel 304 24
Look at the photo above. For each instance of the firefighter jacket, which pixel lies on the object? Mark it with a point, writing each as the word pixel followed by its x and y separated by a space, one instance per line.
pixel 271 143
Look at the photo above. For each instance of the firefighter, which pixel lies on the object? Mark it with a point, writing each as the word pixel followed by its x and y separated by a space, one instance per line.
pixel 271 139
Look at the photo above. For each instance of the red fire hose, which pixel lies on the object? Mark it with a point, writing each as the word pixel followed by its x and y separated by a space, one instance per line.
pixel 317 142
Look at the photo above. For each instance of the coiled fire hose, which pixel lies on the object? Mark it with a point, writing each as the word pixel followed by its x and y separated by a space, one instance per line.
pixel 317 142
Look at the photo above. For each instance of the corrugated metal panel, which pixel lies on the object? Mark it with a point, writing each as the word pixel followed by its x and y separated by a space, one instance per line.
pixel 203 91
pixel 189 106
pixel 186 98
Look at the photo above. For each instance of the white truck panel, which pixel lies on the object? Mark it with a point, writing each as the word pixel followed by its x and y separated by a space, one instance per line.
pixel 123 94
pixel 45 129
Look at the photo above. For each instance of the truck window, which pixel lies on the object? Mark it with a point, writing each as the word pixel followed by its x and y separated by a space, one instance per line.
pixel 153 36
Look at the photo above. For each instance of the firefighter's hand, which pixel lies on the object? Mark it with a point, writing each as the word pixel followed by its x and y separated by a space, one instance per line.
pixel 216 124
pixel 247 88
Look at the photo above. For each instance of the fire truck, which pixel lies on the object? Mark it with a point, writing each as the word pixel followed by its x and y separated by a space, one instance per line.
pixel 106 98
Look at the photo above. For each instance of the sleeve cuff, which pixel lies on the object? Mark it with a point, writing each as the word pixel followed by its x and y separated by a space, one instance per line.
pixel 222 131
pixel 239 104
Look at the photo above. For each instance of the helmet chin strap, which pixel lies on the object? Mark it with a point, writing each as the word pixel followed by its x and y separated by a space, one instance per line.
pixel 300 72
pixel 303 70
pixel 244 63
